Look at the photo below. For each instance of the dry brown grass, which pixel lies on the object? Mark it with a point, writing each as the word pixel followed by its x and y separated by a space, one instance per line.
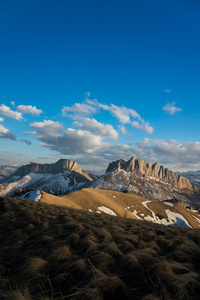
pixel 55 253
pixel 93 198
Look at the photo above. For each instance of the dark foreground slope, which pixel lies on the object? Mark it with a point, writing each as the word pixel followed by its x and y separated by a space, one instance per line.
pixel 49 252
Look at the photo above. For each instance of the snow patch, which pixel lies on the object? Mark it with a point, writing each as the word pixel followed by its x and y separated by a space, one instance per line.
pixel 173 218
pixel 168 203
pixel 32 195
pixel 177 218
pixel 107 210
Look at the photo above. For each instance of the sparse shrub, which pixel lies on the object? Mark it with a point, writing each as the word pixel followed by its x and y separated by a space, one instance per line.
pixel 130 262
pixel 102 261
pixel 61 253
pixel 32 268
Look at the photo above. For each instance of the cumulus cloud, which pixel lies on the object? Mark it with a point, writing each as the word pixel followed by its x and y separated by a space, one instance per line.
pixel 128 116
pixel 122 113
pixel 26 141
pixel 47 128
pixel 28 109
pixel 73 142
pixel 172 154
pixel 5 133
pixel 1 119
pixel 104 130
pixel 125 115
pixel 94 151
pixel 79 110
pixel 12 103
pixel 7 112
pixel 68 142
pixel 171 108
pixel 123 129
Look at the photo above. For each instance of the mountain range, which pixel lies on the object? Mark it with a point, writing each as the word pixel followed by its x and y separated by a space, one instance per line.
pixel 164 194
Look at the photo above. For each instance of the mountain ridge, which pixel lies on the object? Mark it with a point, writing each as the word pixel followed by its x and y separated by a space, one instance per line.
pixel 143 168
pixel 54 168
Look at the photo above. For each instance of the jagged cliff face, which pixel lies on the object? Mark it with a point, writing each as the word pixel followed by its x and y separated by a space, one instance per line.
pixel 60 166
pixel 151 181
pixel 146 169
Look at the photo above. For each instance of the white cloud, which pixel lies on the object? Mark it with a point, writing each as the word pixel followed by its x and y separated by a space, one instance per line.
pixel 125 116
pixel 79 110
pixel 149 129
pixel 122 113
pixel 72 142
pixel 171 108
pixel 123 129
pixel 94 151
pixel 104 130
pixel 12 103
pixel 30 133
pixel 172 154
pixel 7 112
pixel 5 133
pixel 1 119
pixel 47 128
pixel 167 91
pixel 28 109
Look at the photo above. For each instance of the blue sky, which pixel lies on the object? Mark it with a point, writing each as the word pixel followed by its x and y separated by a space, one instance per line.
pixel 108 80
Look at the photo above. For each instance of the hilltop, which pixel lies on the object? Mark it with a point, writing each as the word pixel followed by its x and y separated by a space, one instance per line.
pixel 52 253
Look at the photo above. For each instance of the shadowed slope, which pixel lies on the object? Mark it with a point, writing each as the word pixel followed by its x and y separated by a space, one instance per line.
pixel 50 252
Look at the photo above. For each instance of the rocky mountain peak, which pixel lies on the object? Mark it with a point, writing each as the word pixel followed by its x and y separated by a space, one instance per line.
pixel 146 169
pixel 60 166
pixel 118 164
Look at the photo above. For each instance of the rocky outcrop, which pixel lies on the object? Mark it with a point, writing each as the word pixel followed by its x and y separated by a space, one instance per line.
pixel 60 166
pixel 146 169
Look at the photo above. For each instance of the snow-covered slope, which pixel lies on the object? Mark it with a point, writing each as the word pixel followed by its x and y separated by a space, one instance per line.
pixel 31 195
pixel 56 184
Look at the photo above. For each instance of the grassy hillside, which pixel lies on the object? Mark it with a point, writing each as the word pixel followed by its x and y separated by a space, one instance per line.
pixel 49 252
pixel 127 205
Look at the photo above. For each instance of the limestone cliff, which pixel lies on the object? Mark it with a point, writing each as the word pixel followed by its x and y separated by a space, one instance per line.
pixel 60 166
pixel 146 169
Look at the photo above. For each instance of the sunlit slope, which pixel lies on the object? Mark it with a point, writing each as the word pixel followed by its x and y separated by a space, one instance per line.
pixel 127 205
